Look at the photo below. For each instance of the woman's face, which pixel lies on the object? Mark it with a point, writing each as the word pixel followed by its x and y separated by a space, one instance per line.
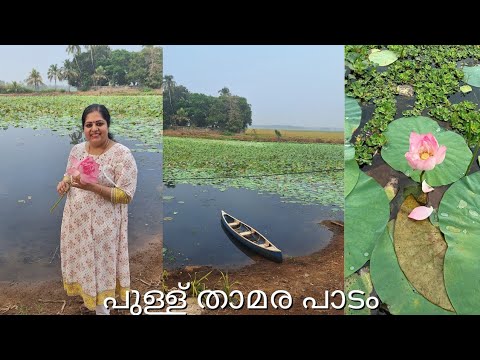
pixel 95 129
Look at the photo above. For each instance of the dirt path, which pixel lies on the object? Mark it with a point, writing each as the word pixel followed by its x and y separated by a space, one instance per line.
pixel 49 297
pixel 306 276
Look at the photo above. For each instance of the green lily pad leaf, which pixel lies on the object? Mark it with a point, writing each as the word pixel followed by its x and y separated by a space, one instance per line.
pixel 456 161
pixel 168 197
pixel 168 218
pixel 472 75
pixel 459 218
pixel 367 211
pixel 351 169
pixel 353 115
pixel 465 89
pixel 391 284
pixel 360 282
pixel 383 57
pixel 420 249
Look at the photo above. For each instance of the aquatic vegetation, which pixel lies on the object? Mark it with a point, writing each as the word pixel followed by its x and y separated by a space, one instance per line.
pixel 306 173
pixel 425 261
pixel 133 117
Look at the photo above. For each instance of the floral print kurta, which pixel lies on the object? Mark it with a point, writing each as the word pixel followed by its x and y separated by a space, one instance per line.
pixel 94 235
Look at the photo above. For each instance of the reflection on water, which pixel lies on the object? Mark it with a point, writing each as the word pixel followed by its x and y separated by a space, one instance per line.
pixel 32 162
pixel 193 234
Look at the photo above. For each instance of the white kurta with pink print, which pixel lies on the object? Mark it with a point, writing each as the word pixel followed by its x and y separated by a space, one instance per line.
pixel 94 235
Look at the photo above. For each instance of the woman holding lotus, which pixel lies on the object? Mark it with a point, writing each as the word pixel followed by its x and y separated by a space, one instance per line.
pixel 100 181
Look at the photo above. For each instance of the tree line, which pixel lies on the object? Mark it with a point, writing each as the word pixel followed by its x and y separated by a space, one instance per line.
pixel 99 65
pixel 227 112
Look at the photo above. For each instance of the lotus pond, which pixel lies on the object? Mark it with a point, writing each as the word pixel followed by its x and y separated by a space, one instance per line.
pixel 275 187
pixel 415 265
pixel 35 153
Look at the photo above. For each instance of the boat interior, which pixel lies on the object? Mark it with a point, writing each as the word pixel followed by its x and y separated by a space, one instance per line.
pixel 247 232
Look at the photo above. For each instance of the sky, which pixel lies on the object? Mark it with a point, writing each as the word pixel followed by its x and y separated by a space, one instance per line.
pixel 285 84
pixel 17 61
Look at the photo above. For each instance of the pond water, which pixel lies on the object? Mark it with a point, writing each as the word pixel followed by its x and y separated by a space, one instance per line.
pixel 193 234
pixel 31 164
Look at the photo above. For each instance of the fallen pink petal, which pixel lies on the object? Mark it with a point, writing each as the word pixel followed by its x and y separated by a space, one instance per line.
pixel 426 188
pixel 424 152
pixel 421 213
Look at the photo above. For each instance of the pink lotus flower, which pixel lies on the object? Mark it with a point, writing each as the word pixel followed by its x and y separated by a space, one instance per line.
pixel 424 152
pixel 421 213
pixel 87 169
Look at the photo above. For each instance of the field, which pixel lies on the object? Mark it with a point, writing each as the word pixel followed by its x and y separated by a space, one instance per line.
pixel 137 117
pixel 306 173
pixel 266 135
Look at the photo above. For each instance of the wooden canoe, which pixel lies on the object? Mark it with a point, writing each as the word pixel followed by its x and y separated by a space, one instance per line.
pixel 251 238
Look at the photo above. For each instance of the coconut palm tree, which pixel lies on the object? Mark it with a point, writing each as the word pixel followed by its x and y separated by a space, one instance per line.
pixel 74 50
pixel 90 48
pixel 98 75
pixel 169 84
pixel 34 78
pixel 69 74
pixel 54 73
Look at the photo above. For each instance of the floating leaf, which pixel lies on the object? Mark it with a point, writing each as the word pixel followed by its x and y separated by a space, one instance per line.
pixel 351 169
pixel 465 89
pixel 391 284
pixel 168 218
pixel 383 57
pixel 367 211
pixel 353 114
pixel 461 227
pixel 456 161
pixel 420 249
pixel 360 282
pixel 472 75
pixel 168 197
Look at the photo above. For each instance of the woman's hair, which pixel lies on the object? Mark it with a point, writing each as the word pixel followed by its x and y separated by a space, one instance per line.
pixel 102 110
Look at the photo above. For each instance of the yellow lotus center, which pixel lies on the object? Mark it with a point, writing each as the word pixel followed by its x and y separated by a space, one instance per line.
pixel 424 155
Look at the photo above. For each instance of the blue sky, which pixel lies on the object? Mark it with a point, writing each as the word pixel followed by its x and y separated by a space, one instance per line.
pixel 286 85
pixel 17 61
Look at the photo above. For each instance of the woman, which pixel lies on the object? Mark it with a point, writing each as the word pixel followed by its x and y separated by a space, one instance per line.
pixel 94 239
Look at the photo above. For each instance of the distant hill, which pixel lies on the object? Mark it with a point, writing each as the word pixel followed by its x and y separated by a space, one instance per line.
pixel 291 127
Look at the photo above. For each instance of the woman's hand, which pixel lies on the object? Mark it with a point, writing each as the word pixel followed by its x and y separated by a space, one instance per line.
pixel 76 183
pixel 63 187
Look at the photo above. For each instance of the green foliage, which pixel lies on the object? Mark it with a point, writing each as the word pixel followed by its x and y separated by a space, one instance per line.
pixel 136 117
pixel 431 70
pixel 223 163
pixel 278 134
pixel 367 211
pixel 360 282
pixel 196 285
pixel 351 169
pixel 226 112
pixel 117 67
pixel 459 218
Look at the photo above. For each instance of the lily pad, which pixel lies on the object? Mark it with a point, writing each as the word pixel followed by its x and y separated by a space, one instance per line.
pixel 360 282
pixel 383 57
pixel 456 161
pixel 461 227
pixel 367 211
pixel 465 89
pixel 420 250
pixel 351 169
pixel 472 75
pixel 391 284
pixel 353 115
